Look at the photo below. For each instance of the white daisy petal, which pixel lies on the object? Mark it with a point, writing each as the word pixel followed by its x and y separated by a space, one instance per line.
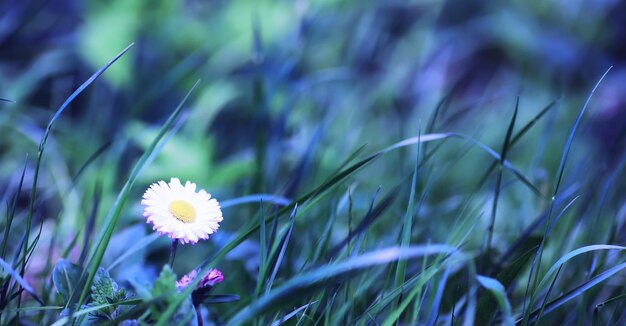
pixel 180 212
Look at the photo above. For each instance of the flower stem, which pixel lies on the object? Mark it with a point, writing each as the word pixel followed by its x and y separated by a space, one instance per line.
pixel 198 314
pixel 173 252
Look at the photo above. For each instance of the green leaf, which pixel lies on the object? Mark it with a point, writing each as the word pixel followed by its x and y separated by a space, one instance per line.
pixel 164 287
pixel 105 291
pixel 66 278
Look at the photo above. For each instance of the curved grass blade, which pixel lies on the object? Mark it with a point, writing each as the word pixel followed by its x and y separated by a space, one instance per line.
pixel 571 255
pixel 486 304
pixel 499 292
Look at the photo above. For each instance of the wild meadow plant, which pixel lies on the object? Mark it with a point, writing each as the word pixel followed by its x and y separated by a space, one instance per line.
pixel 510 245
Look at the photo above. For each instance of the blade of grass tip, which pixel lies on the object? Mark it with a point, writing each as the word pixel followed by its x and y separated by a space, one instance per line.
pixel 115 211
pixel 6 100
pixel 596 310
pixel 577 291
pixel 518 136
pixel 89 161
pixel 570 139
pixel 293 313
pixel 263 254
pixel 144 242
pixel 48 130
pixel 327 273
pixel 496 195
pixel 282 250
pixel 545 299
pixel 365 223
pixel 20 280
pixel 407 226
pixel 322 244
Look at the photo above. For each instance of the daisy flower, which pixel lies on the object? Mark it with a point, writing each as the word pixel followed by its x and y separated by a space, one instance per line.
pixel 181 212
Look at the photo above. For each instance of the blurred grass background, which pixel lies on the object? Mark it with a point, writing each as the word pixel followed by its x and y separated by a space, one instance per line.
pixel 289 90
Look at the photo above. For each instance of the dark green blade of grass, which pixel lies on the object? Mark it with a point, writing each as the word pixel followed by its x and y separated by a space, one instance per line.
pixel 91 223
pixel 486 304
pixel 545 299
pixel 605 303
pixel 263 253
pixel 11 209
pixel 6 100
pixel 518 136
pixel 113 215
pixel 16 276
pixel 281 254
pixel 576 292
pixel 496 195
pixel 407 225
pixel 372 214
pixel 533 276
pixel 42 145
pixel 498 291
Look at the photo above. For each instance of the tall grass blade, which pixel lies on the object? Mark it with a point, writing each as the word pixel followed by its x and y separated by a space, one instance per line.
pixel 496 196
pixel 533 276
pixel 113 215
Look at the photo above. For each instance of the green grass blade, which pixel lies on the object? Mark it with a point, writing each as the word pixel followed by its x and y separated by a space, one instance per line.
pixel 114 213
pixel 42 145
pixel 533 276
pixel 16 276
pixel 494 207
pixel 281 254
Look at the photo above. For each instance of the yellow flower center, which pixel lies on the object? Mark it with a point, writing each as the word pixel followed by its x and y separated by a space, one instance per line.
pixel 183 211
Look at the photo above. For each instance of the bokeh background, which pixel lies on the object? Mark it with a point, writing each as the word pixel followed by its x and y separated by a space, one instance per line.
pixel 288 91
